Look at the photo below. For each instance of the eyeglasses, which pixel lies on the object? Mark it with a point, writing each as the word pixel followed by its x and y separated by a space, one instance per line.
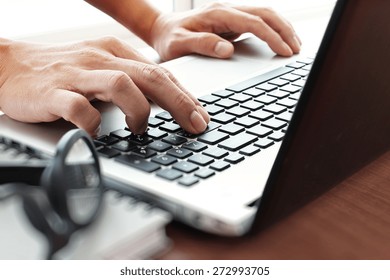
pixel 61 195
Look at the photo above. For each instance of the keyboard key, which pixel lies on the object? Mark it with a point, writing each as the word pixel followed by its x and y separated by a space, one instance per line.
pixel 223 93
pixel 261 115
pixel 296 65
pixel 274 124
pixel 278 94
pixel 264 143
pixel 175 140
pixel 278 82
pixel 121 133
pixel 266 99
pixel 295 96
pixel 286 116
pixel 213 109
pixel 287 102
pixel 277 136
pixel 166 116
pixel 97 144
pixel 108 152
pixel 259 79
pixel 200 159
pixel 254 92
pixel 216 152
pixel 267 87
pixel 240 97
pixel 204 173
pixel 249 151
pixel 237 142
pixel 209 99
pixel 246 122
pixel 169 174
pixel 185 166
pixel 290 77
pixel 159 146
pixel 170 127
pixel 275 109
pixel 107 140
pixel 260 131
pixel 213 137
pixel 164 159
pixel 301 72
pixel 124 146
pixel 226 103
pixel 252 105
pixel 194 146
pixel 154 122
pixel 290 88
pixel 234 158
pixel 231 129
pixel 223 118
pixel 156 133
pixel 238 111
pixel 210 127
pixel 220 165
pixel 179 153
pixel 138 163
pixel 188 181
pixel 299 83
pixel 139 139
pixel 144 152
pixel 305 60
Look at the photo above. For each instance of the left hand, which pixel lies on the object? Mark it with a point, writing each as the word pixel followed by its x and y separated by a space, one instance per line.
pixel 210 30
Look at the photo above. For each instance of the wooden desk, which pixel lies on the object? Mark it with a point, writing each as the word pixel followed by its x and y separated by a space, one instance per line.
pixel 351 221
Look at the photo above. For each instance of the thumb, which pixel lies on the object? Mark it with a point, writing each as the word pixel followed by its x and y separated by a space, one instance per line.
pixel 210 44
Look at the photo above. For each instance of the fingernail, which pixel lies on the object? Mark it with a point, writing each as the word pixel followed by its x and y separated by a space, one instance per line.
pixel 203 113
pixel 297 44
pixel 97 130
pixel 223 49
pixel 197 121
pixel 287 50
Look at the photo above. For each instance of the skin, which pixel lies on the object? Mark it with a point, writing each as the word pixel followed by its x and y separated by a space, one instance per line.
pixel 109 70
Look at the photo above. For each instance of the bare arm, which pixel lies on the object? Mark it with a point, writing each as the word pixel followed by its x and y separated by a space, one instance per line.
pixel 136 15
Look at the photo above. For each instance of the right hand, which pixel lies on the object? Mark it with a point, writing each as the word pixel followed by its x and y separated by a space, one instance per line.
pixel 42 83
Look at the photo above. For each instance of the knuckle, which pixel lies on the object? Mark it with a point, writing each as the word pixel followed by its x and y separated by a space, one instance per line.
pixel 110 40
pixel 214 5
pixel 90 52
pixel 76 105
pixel 183 101
pixel 155 73
pixel 268 10
pixel 119 81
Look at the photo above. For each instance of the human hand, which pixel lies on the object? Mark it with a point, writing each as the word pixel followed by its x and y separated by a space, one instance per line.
pixel 43 83
pixel 210 30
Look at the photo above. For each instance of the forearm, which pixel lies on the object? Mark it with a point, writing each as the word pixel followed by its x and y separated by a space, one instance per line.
pixel 136 15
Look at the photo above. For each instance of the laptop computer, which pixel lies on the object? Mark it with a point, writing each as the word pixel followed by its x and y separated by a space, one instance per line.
pixel 271 147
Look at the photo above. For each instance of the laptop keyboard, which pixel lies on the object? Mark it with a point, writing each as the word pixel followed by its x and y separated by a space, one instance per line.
pixel 246 118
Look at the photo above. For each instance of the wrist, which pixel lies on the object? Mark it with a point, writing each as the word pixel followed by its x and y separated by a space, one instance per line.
pixel 140 21
pixel 136 15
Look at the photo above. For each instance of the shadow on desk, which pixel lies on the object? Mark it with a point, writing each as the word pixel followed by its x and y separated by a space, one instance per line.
pixel 351 221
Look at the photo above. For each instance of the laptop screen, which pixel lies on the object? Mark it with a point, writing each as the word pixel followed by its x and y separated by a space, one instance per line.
pixel 342 121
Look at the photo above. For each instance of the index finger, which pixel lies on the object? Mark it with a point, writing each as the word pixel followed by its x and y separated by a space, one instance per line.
pixel 241 21
pixel 156 84
pixel 277 23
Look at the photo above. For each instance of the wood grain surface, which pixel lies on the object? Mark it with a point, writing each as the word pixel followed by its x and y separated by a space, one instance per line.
pixel 351 221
